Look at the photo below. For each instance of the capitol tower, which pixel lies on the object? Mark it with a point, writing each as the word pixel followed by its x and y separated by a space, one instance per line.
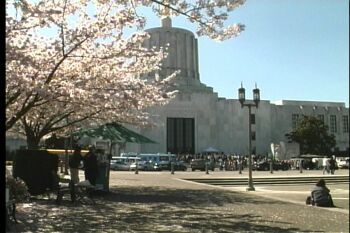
pixel 182 55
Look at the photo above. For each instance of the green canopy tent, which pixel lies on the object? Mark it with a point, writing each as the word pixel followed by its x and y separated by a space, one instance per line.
pixel 114 132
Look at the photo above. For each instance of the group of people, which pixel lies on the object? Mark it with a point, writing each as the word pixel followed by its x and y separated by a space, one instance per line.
pixel 89 162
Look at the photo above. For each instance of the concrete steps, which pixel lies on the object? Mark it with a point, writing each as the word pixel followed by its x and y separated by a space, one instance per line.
pixel 291 180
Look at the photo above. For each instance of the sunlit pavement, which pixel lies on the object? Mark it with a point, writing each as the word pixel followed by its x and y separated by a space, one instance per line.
pixel 164 202
pixel 289 193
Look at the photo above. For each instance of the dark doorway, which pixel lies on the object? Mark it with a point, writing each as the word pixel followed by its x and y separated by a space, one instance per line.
pixel 180 135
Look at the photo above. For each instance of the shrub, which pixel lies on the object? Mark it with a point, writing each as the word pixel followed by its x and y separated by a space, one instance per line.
pixel 18 188
pixel 35 168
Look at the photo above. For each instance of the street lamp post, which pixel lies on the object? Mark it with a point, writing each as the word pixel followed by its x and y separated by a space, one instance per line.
pixel 66 157
pixel 271 163
pixel 256 100
pixel 240 164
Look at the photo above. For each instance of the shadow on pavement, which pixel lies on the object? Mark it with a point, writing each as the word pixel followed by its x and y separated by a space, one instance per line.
pixel 152 209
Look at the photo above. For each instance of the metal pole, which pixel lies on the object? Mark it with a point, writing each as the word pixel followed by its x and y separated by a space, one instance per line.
pixel 109 165
pixel 66 152
pixel 137 167
pixel 172 167
pixel 271 164
pixel 71 140
pixel 66 156
pixel 240 164
pixel 250 179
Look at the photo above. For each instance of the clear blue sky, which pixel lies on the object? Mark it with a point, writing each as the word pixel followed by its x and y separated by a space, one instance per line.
pixel 292 49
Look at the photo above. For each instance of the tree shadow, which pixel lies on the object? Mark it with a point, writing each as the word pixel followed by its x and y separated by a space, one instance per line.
pixel 155 209
pixel 182 197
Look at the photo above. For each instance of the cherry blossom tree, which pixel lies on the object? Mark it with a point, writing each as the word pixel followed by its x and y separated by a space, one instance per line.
pixel 75 62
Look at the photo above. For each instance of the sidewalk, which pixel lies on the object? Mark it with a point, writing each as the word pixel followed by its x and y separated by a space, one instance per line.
pixel 162 202
pixel 290 193
pixel 295 194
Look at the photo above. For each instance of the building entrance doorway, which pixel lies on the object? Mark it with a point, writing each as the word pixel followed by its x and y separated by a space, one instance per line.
pixel 180 135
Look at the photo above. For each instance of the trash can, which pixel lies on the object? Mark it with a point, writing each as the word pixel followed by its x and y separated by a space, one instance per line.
pixel 103 170
pixel 101 181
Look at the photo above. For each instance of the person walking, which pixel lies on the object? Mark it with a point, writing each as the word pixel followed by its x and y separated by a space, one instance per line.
pixel 74 163
pixel 325 164
pixel 332 165
pixel 91 166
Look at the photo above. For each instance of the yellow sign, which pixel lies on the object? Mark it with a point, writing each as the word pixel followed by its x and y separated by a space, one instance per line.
pixel 63 152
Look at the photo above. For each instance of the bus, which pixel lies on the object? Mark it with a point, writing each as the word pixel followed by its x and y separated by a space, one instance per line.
pixel 127 160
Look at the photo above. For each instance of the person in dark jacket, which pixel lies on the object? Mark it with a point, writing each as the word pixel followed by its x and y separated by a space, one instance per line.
pixel 74 163
pixel 91 166
pixel 321 195
pixel 332 165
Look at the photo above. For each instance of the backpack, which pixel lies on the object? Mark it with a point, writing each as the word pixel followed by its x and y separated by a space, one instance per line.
pixel 308 200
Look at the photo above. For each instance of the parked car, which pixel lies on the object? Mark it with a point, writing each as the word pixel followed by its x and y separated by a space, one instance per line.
pixel 161 165
pixel 180 166
pixel 265 166
pixel 143 166
pixel 119 166
pixel 343 163
pixel 199 164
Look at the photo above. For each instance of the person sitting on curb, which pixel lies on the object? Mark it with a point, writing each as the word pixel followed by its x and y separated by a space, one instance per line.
pixel 320 195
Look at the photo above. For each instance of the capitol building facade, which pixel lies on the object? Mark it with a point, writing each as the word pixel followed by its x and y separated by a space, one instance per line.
pixel 197 118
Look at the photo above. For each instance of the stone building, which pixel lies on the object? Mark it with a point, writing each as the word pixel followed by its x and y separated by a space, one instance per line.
pixel 198 118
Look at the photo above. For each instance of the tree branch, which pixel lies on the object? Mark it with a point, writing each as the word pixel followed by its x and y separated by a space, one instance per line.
pixel 62 27
pixel 50 76
pixel 180 12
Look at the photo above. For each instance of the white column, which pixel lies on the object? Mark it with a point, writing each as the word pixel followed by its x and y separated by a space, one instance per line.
pixel 189 50
pixel 179 54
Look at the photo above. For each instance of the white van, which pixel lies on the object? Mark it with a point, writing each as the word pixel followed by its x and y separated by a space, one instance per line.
pixel 122 163
pixel 160 161
pixel 343 162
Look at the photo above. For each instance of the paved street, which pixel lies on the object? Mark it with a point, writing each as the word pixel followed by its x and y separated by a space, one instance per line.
pixel 162 202
pixel 290 193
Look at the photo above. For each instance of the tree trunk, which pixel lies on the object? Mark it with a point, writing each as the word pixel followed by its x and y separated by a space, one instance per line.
pixel 32 142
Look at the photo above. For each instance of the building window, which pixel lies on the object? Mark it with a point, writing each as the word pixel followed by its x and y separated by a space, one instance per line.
pixel 345 124
pixel 321 117
pixel 180 135
pixel 253 136
pixel 333 125
pixel 254 150
pixel 295 119
pixel 252 119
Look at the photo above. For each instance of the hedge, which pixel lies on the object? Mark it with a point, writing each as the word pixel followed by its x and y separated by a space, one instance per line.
pixel 36 169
